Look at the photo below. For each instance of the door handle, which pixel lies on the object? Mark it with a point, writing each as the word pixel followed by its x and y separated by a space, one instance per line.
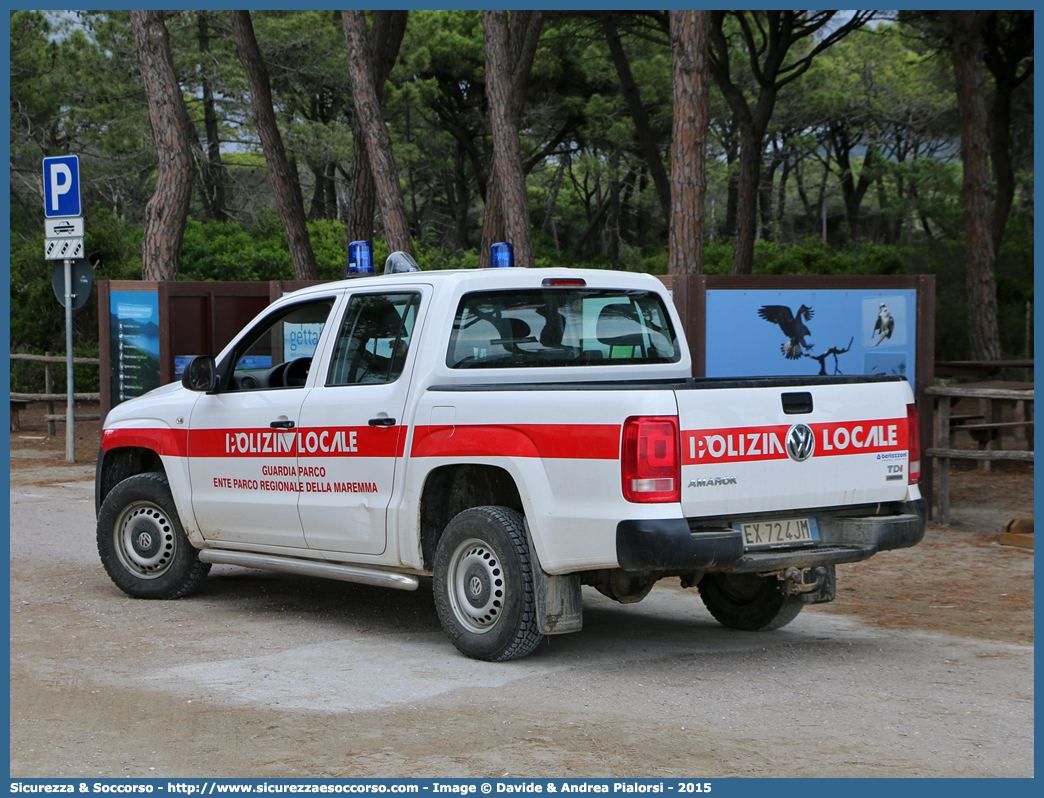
pixel 282 425
pixel 382 422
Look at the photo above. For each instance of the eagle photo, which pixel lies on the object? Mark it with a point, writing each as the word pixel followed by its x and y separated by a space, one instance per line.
pixel 884 325
pixel 792 326
pixel 807 330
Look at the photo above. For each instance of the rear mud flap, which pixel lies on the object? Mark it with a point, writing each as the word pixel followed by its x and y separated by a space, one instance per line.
pixel 559 605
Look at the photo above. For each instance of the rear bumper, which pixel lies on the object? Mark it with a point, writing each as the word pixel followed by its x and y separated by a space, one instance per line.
pixel 680 544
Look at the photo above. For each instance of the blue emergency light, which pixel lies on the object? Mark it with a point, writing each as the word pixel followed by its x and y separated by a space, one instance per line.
pixel 501 254
pixel 360 258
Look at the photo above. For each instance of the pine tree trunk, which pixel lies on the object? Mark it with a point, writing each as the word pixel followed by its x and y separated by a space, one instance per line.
pixel 361 203
pixel 167 211
pixel 519 46
pixel 689 30
pixel 731 204
pixel 494 228
pixel 1000 154
pixel 284 183
pixel 388 30
pixel 980 277
pixel 507 152
pixel 375 133
pixel 747 200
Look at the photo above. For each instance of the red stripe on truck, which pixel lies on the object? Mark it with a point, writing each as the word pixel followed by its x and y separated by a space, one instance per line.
pixel 162 440
pixel 749 444
pixel 549 441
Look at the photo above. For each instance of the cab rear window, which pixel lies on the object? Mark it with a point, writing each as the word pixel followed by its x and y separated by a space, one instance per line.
pixel 556 327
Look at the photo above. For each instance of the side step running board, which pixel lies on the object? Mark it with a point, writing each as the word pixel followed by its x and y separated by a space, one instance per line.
pixel 329 570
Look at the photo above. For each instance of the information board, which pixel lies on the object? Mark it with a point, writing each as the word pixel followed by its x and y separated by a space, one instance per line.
pixel 799 332
pixel 135 343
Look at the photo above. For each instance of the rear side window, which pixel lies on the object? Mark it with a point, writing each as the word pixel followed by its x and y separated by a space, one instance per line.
pixel 557 327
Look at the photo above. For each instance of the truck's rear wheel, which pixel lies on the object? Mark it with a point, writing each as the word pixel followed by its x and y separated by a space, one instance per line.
pixel 484 585
pixel 142 544
pixel 748 602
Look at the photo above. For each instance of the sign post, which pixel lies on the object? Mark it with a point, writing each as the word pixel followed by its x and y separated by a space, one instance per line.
pixel 70 414
pixel 61 179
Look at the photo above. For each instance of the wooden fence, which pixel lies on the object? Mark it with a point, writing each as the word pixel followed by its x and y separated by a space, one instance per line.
pixel 991 427
pixel 20 400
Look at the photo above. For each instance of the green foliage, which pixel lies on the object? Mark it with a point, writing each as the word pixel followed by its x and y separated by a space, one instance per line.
pixel 717 256
pixel 444 259
pixel 227 251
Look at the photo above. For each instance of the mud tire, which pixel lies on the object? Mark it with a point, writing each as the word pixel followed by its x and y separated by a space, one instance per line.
pixel 142 543
pixel 483 584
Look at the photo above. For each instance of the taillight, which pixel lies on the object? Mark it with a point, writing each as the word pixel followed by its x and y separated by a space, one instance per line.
pixel 651 464
pixel 913 434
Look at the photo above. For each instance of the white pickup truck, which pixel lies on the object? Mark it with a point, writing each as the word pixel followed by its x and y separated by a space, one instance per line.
pixel 514 434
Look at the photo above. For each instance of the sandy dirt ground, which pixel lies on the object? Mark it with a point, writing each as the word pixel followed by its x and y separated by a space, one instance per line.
pixel 923 666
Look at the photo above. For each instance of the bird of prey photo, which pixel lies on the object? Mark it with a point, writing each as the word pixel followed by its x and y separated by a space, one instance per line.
pixel 884 324
pixel 792 327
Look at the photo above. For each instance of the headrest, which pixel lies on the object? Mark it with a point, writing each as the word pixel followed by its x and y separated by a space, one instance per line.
pixel 618 325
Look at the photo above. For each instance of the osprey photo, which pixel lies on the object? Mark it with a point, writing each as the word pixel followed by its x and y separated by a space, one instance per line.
pixel 792 327
pixel 884 324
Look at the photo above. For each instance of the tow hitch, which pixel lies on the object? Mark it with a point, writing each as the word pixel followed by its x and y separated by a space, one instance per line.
pixel 814 585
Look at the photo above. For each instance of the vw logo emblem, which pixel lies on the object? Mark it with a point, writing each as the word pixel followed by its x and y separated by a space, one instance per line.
pixel 476 585
pixel 801 443
pixel 144 540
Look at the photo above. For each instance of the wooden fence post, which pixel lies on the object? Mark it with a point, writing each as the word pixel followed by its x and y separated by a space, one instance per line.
pixel 991 424
pixel 942 437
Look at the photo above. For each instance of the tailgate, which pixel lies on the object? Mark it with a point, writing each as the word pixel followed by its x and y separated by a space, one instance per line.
pixel 769 449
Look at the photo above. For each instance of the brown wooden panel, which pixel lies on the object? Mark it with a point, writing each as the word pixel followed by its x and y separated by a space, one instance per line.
pixel 232 314
pixel 189 326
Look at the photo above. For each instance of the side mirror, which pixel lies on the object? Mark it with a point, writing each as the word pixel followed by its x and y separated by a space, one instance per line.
pixel 200 374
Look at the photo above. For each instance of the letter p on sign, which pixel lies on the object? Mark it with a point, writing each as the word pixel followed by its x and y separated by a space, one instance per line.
pixel 61 179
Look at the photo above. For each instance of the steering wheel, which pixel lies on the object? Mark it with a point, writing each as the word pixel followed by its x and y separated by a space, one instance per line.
pixel 296 372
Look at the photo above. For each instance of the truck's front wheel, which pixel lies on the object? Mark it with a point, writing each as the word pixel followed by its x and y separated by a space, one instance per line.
pixel 484 585
pixel 142 544
pixel 748 602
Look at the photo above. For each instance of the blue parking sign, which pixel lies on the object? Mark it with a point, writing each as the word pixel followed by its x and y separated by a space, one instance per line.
pixel 61 179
